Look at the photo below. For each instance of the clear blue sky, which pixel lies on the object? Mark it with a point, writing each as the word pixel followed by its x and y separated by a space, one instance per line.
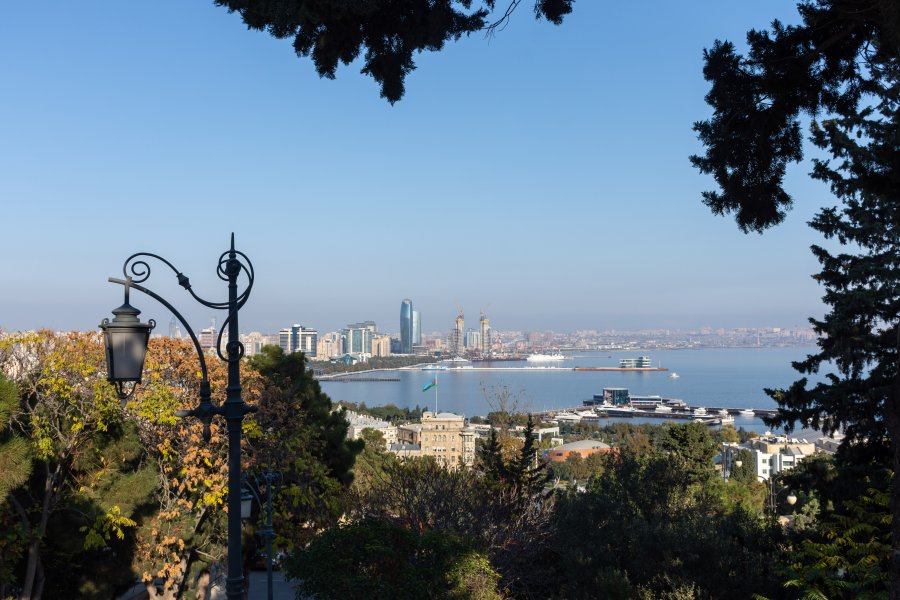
pixel 544 173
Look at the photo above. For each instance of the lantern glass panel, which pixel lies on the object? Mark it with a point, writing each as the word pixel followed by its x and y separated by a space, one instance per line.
pixel 127 349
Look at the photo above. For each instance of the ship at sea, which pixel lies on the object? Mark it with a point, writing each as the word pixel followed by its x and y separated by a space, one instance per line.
pixel 545 357
pixel 642 363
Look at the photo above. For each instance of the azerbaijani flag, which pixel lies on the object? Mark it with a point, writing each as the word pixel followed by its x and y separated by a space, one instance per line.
pixel 430 385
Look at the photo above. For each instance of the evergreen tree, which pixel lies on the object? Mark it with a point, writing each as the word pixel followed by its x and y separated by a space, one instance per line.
pixel 840 66
pixel 386 32
pixel 15 458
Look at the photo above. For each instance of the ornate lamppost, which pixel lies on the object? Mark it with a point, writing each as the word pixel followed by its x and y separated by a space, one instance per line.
pixel 774 494
pixel 271 479
pixel 126 346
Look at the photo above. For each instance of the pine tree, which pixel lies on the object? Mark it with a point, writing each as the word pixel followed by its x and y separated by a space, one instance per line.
pixel 15 457
pixel 386 32
pixel 841 66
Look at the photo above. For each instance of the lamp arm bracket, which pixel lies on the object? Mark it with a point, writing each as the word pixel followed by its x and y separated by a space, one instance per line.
pixel 140 272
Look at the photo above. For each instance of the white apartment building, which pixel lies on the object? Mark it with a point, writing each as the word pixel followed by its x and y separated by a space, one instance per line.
pixel 359 422
pixel 771 454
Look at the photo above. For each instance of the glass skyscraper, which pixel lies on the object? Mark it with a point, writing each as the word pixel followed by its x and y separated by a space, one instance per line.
pixel 417 329
pixel 406 326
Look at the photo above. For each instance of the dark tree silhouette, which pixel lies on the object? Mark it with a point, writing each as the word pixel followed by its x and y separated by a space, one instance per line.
pixel 839 67
pixel 386 32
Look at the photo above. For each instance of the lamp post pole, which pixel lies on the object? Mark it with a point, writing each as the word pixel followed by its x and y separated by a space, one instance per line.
pixel 126 344
pixel 267 531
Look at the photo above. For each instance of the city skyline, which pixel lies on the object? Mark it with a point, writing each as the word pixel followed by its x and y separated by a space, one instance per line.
pixel 561 195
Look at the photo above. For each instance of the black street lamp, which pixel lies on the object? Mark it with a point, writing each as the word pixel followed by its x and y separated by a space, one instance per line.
pixel 774 494
pixel 126 344
pixel 271 479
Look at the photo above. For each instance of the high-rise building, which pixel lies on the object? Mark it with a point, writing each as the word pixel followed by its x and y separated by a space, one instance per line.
pixel 297 338
pixel 473 340
pixel 174 329
pixel 381 345
pixel 406 326
pixel 485 327
pixel 329 345
pixel 207 338
pixel 356 339
pixel 416 329
pixel 456 340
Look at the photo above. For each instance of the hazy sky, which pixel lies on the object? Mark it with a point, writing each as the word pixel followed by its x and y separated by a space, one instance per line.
pixel 543 174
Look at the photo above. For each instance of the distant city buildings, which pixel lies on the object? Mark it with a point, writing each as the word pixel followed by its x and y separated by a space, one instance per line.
pixel 253 342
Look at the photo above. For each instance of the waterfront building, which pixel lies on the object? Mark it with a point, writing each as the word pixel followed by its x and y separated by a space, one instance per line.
pixel 381 345
pixel 406 326
pixel 616 396
pixel 444 436
pixel 642 362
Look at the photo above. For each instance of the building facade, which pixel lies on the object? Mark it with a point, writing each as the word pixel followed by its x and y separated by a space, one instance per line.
pixel 443 436
pixel 381 345
pixel 359 422
pixel 770 454
pixel 297 338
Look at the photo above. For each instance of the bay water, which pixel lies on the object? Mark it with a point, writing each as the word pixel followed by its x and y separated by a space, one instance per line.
pixel 726 377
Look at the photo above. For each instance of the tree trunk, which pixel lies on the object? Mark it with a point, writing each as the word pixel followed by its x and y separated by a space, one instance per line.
pixel 39 580
pixel 892 420
pixel 31 568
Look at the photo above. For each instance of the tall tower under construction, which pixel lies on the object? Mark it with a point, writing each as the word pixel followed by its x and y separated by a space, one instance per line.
pixel 485 327
pixel 457 335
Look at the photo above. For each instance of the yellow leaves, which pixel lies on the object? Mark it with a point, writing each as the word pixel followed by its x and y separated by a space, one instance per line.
pixel 113 523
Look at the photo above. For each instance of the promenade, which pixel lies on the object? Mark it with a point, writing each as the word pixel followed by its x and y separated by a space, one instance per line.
pixel 282 590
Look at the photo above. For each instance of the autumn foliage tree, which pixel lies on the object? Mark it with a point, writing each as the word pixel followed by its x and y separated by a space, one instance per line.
pixel 72 422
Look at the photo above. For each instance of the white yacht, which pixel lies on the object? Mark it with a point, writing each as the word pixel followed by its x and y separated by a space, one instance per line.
pixel 747 412
pixel 545 357
pixel 699 411
pixel 674 375
pixel 663 408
